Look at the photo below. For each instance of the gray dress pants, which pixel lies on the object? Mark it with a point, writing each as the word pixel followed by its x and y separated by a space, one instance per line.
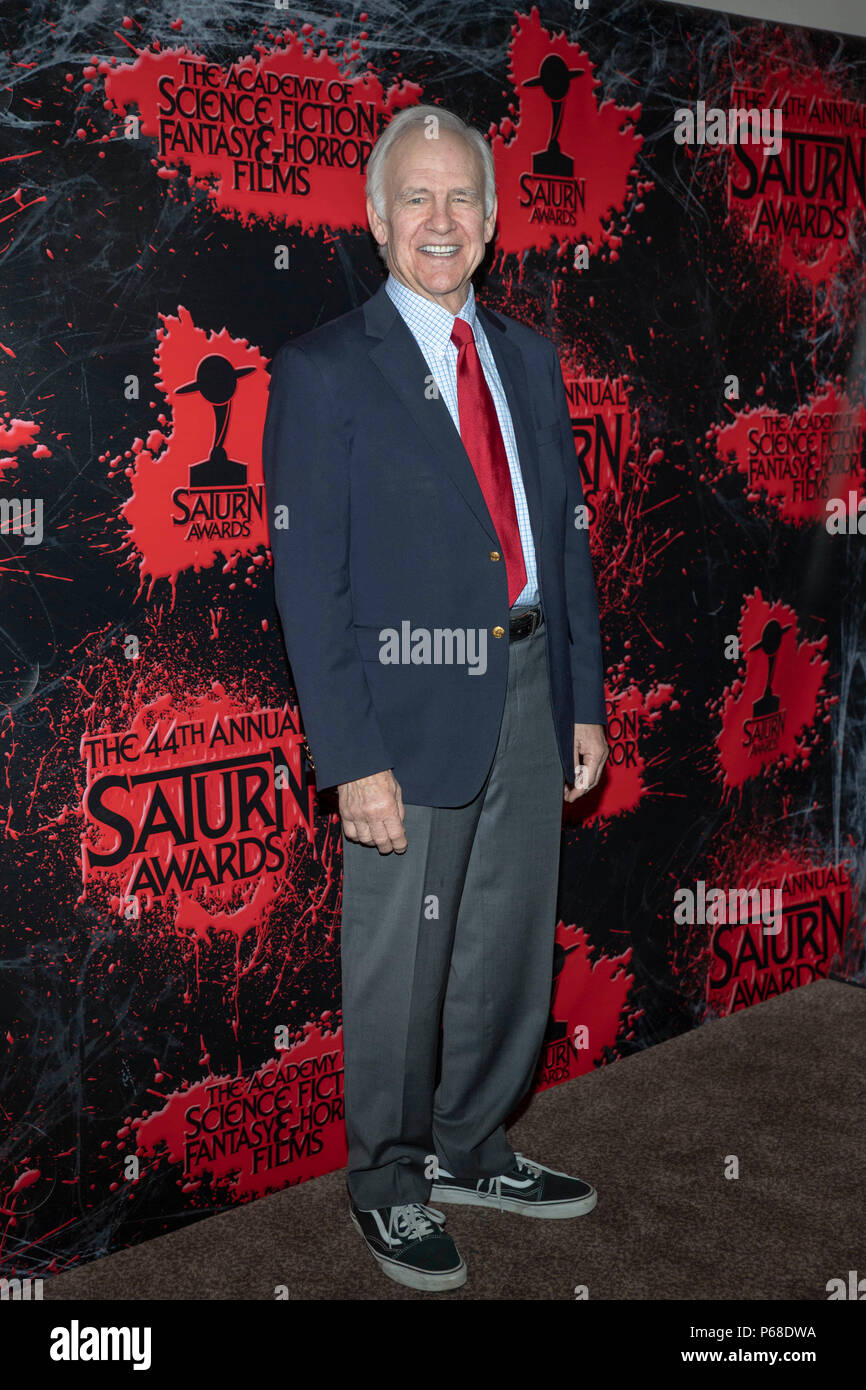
pixel 447 957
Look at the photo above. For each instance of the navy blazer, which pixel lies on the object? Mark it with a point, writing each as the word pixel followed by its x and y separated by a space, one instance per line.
pixel 387 525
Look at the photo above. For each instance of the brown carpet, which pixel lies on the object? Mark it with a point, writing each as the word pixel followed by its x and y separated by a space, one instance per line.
pixel 780 1086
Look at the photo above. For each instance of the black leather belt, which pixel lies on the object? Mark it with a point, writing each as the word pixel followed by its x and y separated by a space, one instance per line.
pixel 524 624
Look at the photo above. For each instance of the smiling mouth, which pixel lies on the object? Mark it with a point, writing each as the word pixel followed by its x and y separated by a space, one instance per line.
pixel 442 252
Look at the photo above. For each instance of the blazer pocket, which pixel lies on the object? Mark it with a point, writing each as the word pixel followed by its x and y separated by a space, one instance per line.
pixel 549 435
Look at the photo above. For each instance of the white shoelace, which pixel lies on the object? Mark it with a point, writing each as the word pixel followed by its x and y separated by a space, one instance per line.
pixel 414 1221
pixel 525 1165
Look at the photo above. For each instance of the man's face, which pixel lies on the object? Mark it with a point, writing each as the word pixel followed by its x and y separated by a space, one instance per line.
pixel 434 198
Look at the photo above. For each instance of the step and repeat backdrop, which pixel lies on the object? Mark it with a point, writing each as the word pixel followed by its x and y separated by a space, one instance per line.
pixel 682 207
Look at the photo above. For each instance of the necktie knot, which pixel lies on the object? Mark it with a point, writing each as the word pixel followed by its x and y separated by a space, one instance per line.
pixel 461 333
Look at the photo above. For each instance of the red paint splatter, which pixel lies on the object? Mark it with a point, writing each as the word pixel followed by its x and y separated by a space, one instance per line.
pixel 803 201
pixel 605 433
pixel 18 434
pixel 187 807
pixel 587 994
pixel 630 715
pixel 774 700
pixel 568 192
pixel 249 1135
pixel 18 1199
pixel 175 522
pixel 283 137
pixel 748 963
pixel 798 461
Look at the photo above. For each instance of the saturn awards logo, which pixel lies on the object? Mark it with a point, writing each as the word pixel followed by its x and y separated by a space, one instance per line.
pixel 763 732
pixel 218 501
pixel 551 189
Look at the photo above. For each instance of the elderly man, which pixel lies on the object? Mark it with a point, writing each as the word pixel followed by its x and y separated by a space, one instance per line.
pixel 439 612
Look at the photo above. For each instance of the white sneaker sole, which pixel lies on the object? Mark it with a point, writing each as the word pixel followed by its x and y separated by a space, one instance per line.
pixel 414 1278
pixel 551 1211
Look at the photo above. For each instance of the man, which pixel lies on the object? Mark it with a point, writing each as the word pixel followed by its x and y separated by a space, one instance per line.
pixel 439 611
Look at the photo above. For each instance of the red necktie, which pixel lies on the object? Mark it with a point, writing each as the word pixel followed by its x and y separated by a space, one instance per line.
pixel 482 440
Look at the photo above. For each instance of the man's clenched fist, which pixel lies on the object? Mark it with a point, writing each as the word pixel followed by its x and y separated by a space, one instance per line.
pixel 371 810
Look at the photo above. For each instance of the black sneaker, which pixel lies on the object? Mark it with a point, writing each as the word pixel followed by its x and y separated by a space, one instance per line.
pixel 409 1245
pixel 527 1188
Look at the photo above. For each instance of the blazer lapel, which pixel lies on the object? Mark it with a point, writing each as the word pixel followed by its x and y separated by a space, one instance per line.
pixel 404 367
pixel 402 363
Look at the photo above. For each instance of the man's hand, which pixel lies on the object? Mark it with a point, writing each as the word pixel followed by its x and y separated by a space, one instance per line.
pixel 590 756
pixel 371 810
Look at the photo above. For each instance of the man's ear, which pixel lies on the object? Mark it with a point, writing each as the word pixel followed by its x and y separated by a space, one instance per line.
pixel 377 226
pixel 490 222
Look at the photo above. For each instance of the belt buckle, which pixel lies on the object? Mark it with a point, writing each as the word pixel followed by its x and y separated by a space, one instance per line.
pixel 534 616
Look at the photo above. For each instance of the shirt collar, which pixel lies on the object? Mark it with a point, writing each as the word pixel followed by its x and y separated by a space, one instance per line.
pixel 429 321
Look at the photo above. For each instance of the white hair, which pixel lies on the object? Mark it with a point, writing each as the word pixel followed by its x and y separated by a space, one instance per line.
pixel 409 120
